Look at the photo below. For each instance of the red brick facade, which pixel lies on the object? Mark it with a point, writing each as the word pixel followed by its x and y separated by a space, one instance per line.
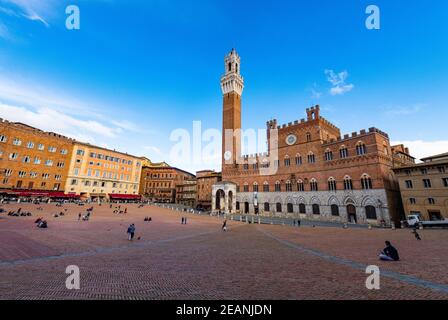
pixel 313 170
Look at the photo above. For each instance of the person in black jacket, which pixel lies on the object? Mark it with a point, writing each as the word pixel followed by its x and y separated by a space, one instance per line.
pixel 389 253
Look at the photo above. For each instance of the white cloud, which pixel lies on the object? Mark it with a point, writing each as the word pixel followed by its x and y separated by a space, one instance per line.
pixel 41 108
pixel 56 121
pixel 35 10
pixel 153 149
pixel 422 149
pixel 338 81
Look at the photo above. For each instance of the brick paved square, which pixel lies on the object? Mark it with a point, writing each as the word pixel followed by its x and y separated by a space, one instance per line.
pixel 200 261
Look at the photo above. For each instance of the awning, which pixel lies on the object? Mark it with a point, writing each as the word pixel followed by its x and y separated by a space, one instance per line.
pixel 125 196
pixel 46 194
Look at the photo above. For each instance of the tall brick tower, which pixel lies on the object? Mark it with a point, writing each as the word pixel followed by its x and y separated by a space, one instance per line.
pixel 232 85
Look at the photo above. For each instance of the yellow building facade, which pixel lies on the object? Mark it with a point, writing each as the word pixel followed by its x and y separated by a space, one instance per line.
pixel 102 174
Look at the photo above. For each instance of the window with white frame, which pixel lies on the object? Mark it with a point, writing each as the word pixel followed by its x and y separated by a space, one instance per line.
pixel 13 156
pixel 17 142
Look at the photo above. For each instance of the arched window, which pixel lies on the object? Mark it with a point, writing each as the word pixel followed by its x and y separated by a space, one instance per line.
pixel 328 155
pixel 278 187
pixel 308 137
pixel 288 186
pixel 278 207
pixel 265 186
pixel 255 187
pixel 246 187
pixel 266 207
pixel 237 205
pixel 316 209
pixel 366 182
pixel 311 158
pixel 298 159
pixel 334 210
pixel 287 161
pixel 230 66
pixel 332 184
pixel 370 213
pixel 302 208
pixel 343 152
pixel 361 148
pixel 300 186
pixel 290 208
pixel 313 185
pixel 348 183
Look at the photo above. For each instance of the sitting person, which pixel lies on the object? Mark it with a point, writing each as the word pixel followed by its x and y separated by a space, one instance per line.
pixel 42 224
pixel 38 220
pixel 389 253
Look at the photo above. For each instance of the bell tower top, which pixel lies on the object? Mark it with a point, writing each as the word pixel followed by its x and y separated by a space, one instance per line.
pixel 232 81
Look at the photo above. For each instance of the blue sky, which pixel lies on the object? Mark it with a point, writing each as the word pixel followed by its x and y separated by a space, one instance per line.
pixel 137 70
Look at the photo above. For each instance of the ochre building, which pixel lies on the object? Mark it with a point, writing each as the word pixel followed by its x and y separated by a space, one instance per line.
pixel 100 174
pixel 311 170
pixel 33 162
pixel 424 187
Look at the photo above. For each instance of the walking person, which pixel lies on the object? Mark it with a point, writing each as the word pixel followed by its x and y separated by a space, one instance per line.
pixel 131 232
pixel 417 236
pixel 224 226
pixel 79 216
pixel 182 220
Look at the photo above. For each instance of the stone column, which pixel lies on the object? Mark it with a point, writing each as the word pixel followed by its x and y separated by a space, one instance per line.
pixel 226 202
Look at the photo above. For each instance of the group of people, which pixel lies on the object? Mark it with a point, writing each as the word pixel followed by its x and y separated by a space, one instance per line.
pixel 183 220
pixel 297 223
pixel 118 210
pixel 147 219
pixel 19 213
pixel 41 223
pixel 85 217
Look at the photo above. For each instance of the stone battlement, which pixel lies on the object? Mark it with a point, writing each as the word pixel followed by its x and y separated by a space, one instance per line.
pixel 312 113
pixel 359 134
